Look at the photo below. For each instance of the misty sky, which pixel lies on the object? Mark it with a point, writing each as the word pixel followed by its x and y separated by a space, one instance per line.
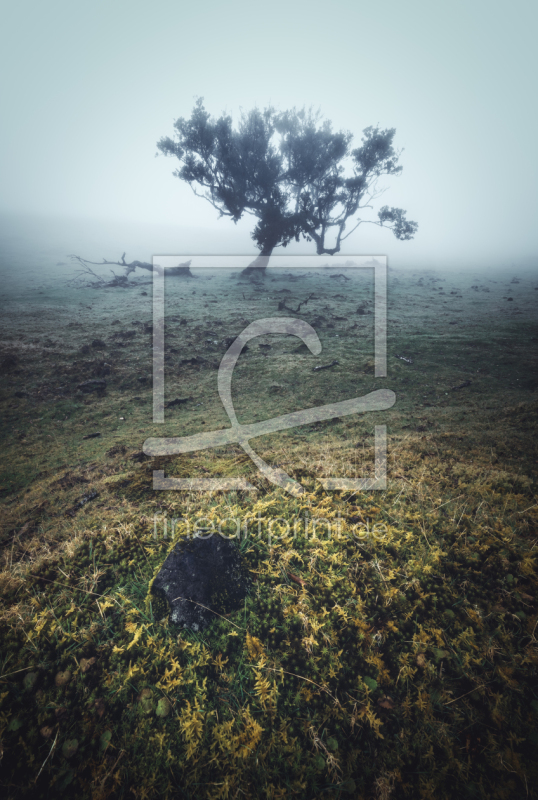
pixel 89 88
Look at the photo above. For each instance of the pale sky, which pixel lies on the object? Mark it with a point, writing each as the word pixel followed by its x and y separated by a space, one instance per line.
pixel 89 88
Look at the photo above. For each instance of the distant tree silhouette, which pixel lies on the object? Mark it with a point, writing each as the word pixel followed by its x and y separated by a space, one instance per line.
pixel 290 171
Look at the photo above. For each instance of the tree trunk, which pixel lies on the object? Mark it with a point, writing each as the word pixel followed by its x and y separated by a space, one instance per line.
pixel 256 269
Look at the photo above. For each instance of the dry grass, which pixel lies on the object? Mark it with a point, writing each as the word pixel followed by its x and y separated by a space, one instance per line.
pixel 395 658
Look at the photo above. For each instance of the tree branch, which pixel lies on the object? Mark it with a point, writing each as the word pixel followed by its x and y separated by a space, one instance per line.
pixel 182 270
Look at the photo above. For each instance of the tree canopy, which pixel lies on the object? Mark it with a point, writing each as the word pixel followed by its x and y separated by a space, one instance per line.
pixel 290 171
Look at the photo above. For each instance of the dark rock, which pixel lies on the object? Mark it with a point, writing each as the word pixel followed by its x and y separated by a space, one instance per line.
pixel 91 436
pixel 98 343
pixel 21 394
pixel 199 577
pixel 93 385
pixel 178 401
pixel 326 366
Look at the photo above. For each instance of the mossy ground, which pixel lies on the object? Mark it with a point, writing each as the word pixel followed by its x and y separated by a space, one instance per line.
pixel 396 657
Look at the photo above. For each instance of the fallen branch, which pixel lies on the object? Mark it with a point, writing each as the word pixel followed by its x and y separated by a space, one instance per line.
pixel 181 270
pixel 326 366
pixel 49 755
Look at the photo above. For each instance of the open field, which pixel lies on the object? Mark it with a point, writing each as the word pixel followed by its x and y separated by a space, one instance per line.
pixel 395 657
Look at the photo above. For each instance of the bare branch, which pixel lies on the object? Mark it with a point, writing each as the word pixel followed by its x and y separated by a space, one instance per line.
pixel 181 270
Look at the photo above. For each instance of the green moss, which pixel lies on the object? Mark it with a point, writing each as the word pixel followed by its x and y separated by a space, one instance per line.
pixel 438 615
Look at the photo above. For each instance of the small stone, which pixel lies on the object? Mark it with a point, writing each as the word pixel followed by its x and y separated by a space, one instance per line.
pixel 199 576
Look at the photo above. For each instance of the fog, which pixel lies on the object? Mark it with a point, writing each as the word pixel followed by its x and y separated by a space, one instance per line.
pixel 88 90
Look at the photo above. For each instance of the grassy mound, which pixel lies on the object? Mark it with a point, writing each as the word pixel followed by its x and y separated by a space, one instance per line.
pixel 387 648
pixel 393 655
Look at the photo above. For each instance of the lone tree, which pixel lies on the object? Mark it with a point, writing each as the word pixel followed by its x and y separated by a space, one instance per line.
pixel 290 171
